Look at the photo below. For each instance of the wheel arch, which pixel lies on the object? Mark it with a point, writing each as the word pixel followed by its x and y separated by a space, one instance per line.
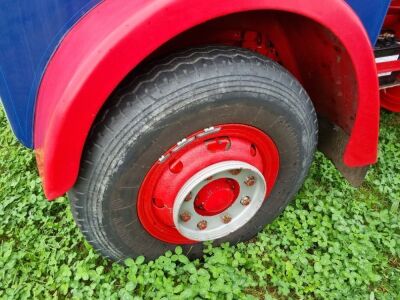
pixel 79 79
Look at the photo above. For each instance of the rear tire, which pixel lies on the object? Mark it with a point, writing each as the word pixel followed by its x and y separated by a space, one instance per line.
pixel 181 95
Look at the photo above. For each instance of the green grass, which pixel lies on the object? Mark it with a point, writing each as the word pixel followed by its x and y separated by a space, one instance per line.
pixel 332 242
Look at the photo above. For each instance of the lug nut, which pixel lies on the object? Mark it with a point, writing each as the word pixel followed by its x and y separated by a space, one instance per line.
pixel 185 216
pixel 245 200
pixel 235 171
pixel 226 219
pixel 188 197
pixel 202 225
pixel 250 180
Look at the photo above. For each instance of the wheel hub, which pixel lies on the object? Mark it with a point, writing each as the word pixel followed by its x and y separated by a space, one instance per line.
pixel 216 196
pixel 227 213
pixel 208 185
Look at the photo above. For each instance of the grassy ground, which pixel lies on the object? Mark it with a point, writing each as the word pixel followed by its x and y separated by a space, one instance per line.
pixel 334 241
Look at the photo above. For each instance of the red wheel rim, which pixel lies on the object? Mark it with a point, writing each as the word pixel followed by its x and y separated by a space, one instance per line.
pixel 218 144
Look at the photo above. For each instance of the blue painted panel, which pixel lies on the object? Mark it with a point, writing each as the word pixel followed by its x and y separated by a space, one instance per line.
pixel 372 13
pixel 30 31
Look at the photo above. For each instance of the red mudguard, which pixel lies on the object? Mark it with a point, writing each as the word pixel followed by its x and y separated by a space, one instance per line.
pixel 117 35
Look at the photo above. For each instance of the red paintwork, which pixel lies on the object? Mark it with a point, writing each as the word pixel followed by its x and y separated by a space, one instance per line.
pixel 390 97
pixel 388 66
pixel 162 183
pixel 216 196
pixel 392 20
pixel 117 35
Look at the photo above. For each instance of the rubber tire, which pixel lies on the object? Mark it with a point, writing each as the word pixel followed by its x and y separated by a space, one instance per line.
pixel 189 91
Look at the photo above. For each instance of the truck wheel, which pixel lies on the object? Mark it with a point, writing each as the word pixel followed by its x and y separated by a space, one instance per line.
pixel 210 144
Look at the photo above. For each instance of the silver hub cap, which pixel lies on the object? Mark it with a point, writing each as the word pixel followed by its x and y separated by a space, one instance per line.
pixel 198 227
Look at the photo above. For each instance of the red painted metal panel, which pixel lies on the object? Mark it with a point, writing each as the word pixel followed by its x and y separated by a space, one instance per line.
pixel 117 35
pixel 388 66
pixel 390 97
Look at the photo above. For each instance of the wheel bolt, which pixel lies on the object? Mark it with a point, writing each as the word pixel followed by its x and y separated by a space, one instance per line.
pixel 202 225
pixel 245 200
pixel 250 180
pixel 235 171
pixel 226 219
pixel 185 216
pixel 188 197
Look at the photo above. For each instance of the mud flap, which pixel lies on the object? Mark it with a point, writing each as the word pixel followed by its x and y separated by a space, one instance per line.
pixel 332 142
